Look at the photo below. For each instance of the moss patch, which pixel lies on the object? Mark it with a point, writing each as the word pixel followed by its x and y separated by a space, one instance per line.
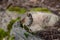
pixel 9 26
pixel 17 9
pixel 40 10
pixel 23 10
pixel 2 34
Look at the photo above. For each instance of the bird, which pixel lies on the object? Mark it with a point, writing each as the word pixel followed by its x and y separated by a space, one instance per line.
pixel 37 21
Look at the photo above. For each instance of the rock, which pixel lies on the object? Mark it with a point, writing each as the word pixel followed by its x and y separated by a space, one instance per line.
pixel 52 34
pixel 18 33
pixel 6 17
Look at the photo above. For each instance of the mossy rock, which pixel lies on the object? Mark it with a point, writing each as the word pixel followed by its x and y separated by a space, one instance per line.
pixel 9 26
pixel 4 34
pixel 17 9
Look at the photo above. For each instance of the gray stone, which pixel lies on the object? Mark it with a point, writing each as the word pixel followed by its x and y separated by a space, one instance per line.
pixel 18 32
pixel 6 17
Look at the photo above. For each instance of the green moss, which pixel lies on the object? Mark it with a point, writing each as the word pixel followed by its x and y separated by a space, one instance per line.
pixel 40 9
pixel 9 26
pixel 17 9
pixel 2 34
